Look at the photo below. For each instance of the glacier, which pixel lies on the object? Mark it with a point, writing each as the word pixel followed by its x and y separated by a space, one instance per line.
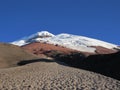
pixel 80 43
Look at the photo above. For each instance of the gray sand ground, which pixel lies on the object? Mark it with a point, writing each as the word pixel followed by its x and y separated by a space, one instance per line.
pixel 53 76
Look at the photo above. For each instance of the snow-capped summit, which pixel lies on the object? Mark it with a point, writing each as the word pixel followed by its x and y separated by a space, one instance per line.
pixel 33 37
pixel 41 34
pixel 44 33
pixel 80 43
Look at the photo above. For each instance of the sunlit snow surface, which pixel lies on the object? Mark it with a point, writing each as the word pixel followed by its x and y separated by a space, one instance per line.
pixel 80 43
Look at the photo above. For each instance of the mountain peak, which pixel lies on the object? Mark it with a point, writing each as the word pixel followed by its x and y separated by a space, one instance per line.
pixel 44 34
pixel 76 42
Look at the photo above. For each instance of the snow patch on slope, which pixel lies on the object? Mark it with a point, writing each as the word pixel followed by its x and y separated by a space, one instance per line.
pixel 19 42
pixel 80 43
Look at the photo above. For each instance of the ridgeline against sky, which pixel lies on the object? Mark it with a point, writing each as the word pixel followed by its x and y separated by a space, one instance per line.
pixel 91 18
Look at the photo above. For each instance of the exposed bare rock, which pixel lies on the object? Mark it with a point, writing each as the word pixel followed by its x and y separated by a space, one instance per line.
pixel 44 48
pixel 103 50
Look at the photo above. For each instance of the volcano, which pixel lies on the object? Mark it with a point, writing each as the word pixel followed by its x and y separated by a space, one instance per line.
pixel 45 61
pixel 79 43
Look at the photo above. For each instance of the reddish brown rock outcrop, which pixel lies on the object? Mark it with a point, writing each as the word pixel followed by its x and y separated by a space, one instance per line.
pixel 42 49
pixel 102 50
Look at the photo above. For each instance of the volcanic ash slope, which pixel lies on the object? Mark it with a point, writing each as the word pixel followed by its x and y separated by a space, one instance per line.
pixel 53 76
pixel 10 55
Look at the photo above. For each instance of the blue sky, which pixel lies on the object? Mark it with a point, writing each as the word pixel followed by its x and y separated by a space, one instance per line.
pixel 98 19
